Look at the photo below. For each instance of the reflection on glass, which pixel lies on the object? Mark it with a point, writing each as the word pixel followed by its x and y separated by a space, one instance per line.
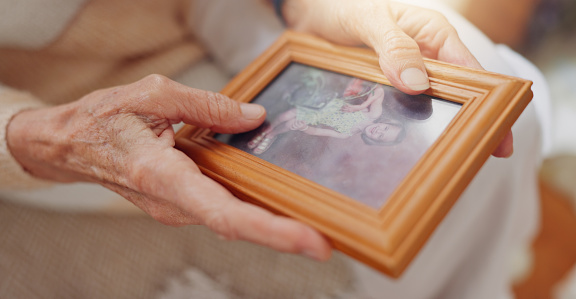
pixel 356 137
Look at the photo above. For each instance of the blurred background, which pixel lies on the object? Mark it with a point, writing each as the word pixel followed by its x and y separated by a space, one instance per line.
pixel 544 31
pixel 139 255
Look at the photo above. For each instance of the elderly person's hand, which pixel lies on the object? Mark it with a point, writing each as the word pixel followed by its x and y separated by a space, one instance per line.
pixel 122 138
pixel 400 34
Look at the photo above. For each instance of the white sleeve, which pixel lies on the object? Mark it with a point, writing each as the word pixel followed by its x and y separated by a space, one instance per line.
pixel 12 175
pixel 235 32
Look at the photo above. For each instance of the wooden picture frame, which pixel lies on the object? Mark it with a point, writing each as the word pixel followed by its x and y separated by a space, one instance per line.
pixel 389 236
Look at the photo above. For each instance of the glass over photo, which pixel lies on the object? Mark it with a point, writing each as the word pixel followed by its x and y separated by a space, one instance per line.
pixel 356 137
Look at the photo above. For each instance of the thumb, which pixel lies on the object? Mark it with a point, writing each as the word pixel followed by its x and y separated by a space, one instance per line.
pixel 201 108
pixel 221 114
pixel 400 56
pixel 401 61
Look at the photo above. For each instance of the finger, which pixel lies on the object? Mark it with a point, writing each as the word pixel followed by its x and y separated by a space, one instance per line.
pixel 399 55
pixel 197 107
pixel 438 39
pixel 234 219
pixel 401 61
pixel 454 51
pixel 203 201
pixel 435 36
pixel 506 147
pixel 221 114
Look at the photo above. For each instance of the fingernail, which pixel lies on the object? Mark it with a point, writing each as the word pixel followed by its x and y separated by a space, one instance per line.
pixel 415 79
pixel 251 111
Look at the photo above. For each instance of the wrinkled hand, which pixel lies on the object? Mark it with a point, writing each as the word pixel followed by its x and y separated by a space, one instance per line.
pixel 400 34
pixel 122 138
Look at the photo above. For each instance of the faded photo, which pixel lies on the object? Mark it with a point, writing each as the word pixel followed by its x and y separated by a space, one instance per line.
pixel 353 136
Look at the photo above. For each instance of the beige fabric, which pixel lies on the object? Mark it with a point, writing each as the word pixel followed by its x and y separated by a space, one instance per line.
pixel 107 43
pixel 57 255
pixel 23 27
pixel 110 42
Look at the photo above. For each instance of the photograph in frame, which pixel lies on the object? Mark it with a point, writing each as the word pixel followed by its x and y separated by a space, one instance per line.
pixel 353 136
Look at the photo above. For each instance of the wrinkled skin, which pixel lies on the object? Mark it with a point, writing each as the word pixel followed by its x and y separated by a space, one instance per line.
pixel 122 137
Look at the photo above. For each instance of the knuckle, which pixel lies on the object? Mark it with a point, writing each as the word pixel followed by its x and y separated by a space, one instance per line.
pixel 155 85
pixel 398 43
pixel 156 79
pixel 440 27
pixel 446 31
pixel 435 15
pixel 440 37
pixel 440 23
pixel 443 21
pixel 216 108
